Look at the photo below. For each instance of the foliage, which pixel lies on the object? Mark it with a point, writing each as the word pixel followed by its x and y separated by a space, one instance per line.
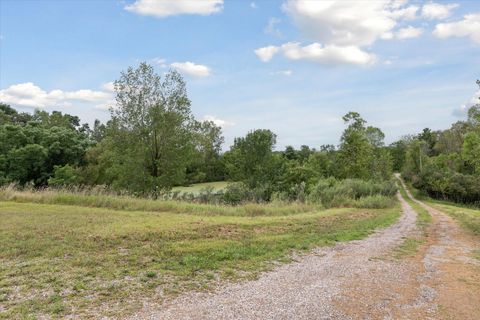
pixel 446 164
pixel 362 154
pixel 63 176
pixel 332 192
pixel 30 152
pixel 251 160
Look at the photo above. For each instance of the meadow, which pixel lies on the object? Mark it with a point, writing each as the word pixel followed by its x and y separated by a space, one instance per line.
pixel 65 255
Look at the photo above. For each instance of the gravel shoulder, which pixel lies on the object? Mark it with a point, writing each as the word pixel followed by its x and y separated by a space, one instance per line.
pixel 356 280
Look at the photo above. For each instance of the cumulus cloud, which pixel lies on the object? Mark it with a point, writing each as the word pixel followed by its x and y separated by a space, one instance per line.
pixel 108 87
pixel 30 95
pixel 266 53
pixel 219 122
pixel 342 29
pixel 408 33
pixel 463 109
pixel 347 23
pixel 330 54
pixel 468 27
pixel 437 11
pixel 192 69
pixel 165 8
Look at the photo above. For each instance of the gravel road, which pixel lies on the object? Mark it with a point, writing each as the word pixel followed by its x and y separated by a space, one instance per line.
pixel 355 280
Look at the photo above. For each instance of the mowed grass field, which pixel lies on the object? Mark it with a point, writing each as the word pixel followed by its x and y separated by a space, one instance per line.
pixel 60 260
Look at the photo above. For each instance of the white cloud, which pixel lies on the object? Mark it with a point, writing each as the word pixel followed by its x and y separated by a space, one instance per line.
pixel 330 54
pixel 165 8
pixel 266 53
pixel 408 33
pixel 283 72
pixel 408 13
pixel 463 109
pixel 108 87
pixel 271 28
pixel 347 23
pixel 437 11
pixel 219 122
pixel 30 95
pixel 162 63
pixel 192 69
pixel 468 27
pixel 253 5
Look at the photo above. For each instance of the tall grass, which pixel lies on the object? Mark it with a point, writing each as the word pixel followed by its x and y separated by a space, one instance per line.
pixel 353 192
pixel 100 198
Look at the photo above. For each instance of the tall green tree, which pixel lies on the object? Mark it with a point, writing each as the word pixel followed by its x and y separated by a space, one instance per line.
pixel 355 148
pixel 152 129
pixel 251 158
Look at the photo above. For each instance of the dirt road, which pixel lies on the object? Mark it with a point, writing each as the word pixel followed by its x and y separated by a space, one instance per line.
pixel 356 280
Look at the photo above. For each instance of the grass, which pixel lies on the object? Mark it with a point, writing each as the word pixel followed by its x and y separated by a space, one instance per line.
pixel 410 245
pixel 61 260
pixel 467 217
pixel 423 217
pixel 408 248
pixel 105 200
pixel 196 188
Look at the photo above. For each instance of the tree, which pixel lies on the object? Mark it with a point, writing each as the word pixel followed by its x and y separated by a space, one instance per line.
pixel 27 164
pixel 63 176
pixel 471 151
pixel 251 159
pixel 206 162
pixel 152 129
pixel 355 148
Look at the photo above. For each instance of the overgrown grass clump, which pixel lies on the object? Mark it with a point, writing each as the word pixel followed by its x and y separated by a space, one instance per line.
pixel 88 262
pixel 101 199
pixel 353 192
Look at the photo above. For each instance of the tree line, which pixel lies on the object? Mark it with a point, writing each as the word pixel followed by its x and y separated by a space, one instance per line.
pixel 153 142
pixel 444 164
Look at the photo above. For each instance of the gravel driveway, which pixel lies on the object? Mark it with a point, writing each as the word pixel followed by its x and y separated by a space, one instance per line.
pixel 354 280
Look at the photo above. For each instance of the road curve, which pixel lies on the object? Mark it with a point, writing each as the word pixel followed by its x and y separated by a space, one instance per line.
pixel 355 280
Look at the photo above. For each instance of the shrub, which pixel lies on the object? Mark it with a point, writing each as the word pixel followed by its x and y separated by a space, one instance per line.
pixel 338 193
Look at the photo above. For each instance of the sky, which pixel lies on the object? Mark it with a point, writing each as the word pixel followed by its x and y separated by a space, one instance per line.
pixel 292 66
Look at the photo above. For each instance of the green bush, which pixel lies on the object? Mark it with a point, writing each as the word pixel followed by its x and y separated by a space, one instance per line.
pixel 339 193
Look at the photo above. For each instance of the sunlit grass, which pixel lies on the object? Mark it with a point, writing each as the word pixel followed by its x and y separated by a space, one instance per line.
pixel 197 187
pixel 59 260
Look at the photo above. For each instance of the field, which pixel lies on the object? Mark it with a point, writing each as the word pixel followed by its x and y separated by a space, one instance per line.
pixel 76 256
pixel 196 188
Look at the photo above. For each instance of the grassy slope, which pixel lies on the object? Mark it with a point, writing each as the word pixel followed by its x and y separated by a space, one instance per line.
pixel 57 260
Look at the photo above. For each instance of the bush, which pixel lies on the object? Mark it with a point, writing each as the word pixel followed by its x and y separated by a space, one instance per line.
pixel 339 193
pixel 63 176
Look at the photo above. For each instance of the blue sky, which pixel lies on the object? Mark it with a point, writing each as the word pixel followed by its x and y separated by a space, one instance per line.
pixel 403 65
